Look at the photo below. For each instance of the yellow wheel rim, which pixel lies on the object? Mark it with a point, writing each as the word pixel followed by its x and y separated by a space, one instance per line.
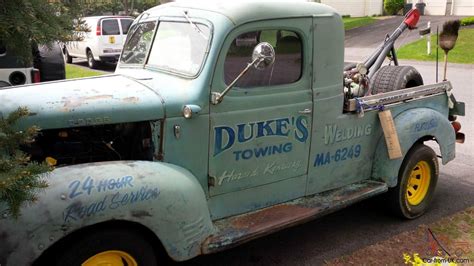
pixel 111 258
pixel 418 183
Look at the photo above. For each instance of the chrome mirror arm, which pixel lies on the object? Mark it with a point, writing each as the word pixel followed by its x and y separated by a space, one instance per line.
pixel 217 97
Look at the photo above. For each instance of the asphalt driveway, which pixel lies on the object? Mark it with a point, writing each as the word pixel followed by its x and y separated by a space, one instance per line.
pixel 361 42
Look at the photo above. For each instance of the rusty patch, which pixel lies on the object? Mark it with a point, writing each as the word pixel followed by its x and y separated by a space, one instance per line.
pixel 271 217
pixel 71 103
pixel 240 229
pixel 131 99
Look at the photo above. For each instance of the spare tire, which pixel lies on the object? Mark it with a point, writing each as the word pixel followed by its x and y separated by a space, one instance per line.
pixel 392 78
pixel 49 60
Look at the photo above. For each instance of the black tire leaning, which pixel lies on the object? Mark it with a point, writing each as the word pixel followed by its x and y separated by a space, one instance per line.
pixel 391 78
pixel 49 60
pixel 91 62
pixel 79 250
pixel 398 197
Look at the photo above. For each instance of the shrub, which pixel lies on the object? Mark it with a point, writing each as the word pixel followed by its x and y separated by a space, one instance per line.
pixel 393 6
pixel 467 21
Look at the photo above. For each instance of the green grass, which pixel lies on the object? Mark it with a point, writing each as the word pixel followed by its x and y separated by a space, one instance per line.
pixel 73 71
pixel 463 52
pixel 350 23
pixel 467 21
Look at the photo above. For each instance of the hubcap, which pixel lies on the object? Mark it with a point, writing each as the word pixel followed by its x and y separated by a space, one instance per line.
pixel 111 258
pixel 418 183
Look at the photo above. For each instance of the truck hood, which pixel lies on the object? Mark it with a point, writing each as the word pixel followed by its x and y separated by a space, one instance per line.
pixel 107 99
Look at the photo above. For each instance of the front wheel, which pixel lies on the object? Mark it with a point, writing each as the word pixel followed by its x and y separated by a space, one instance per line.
pixel 417 180
pixel 109 247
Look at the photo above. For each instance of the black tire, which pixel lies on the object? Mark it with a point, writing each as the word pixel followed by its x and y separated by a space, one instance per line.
pixel 80 250
pixel 405 203
pixel 392 78
pixel 50 62
pixel 91 62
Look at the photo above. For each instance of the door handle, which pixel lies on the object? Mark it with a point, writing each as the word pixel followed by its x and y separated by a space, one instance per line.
pixel 305 111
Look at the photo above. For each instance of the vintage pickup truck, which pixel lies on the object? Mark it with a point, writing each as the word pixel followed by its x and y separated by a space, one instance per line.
pixel 222 123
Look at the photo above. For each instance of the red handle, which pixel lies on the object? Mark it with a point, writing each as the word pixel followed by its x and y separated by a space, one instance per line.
pixel 411 18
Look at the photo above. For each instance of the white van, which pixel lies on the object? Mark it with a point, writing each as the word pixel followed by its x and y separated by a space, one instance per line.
pixel 103 42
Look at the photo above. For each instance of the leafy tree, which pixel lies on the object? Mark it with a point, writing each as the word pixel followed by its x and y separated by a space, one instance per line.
pixel 20 179
pixel 393 6
pixel 38 21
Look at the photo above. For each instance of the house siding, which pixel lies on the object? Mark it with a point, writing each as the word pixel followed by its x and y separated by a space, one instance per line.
pixel 438 7
pixel 356 8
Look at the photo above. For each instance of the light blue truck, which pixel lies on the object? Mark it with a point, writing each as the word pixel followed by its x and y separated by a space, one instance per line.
pixel 223 123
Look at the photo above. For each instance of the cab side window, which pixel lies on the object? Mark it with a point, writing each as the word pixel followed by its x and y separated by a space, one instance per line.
pixel 288 59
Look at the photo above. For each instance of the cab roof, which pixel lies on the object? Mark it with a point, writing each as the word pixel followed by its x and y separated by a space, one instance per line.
pixel 243 11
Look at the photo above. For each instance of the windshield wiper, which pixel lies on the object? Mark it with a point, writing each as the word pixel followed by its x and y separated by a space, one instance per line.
pixel 194 25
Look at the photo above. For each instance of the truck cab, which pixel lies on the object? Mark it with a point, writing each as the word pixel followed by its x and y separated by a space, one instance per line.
pixel 223 122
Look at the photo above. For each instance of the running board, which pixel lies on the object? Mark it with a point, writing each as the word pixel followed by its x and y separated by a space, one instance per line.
pixel 239 229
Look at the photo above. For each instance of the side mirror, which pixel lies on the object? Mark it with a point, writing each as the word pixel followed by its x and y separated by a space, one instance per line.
pixel 263 56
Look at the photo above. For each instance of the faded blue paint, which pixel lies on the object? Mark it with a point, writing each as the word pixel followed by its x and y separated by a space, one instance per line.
pixel 76 198
pixel 346 153
pixel 267 153
pixel 109 99
pixel 413 125
pixel 273 127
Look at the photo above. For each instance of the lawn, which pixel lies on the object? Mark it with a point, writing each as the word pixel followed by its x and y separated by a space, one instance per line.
pixel 350 23
pixel 463 52
pixel 454 234
pixel 73 71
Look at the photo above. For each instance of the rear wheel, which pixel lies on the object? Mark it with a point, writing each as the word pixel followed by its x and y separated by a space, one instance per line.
pixel 91 61
pixel 111 247
pixel 67 57
pixel 392 78
pixel 417 180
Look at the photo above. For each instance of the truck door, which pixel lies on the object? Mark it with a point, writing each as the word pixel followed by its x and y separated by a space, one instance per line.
pixel 260 133
pixel 344 143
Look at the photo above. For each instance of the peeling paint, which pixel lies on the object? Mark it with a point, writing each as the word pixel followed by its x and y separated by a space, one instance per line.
pixel 69 103
pixel 131 100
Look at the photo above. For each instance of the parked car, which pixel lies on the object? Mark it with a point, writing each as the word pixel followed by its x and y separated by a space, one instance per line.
pixel 47 65
pixel 102 43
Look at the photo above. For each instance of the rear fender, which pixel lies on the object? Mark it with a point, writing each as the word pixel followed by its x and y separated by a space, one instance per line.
pixel 165 198
pixel 414 125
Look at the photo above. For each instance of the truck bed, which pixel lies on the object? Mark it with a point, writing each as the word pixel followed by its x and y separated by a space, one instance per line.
pixel 379 101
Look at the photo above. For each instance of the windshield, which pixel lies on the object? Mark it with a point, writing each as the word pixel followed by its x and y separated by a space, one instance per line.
pixel 180 47
pixel 138 43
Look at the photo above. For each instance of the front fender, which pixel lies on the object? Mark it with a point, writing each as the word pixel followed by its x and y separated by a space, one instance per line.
pixel 412 126
pixel 165 198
